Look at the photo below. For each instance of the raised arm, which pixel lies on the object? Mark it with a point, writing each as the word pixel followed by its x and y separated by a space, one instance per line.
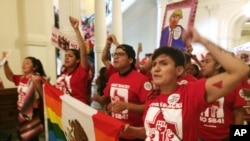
pixel 8 72
pixel 219 85
pixel 139 50
pixel 106 51
pixel 82 45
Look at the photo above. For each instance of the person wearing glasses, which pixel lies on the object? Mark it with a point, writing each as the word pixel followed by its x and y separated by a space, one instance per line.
pixel 126 90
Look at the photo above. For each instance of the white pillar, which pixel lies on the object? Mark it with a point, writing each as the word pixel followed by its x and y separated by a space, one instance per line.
pixel 100 33
pixel 35 26
pixel 117 19
pixel 68 8
pixel 160 10
pixel 100 37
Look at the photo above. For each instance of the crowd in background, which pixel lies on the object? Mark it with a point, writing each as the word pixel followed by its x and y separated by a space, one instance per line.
pixel 157 97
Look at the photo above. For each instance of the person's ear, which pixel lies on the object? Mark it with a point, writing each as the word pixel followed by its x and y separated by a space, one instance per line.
pixel 179 70
pixel 131 60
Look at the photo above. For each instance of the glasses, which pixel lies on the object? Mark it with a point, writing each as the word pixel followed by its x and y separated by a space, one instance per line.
pixel 118 54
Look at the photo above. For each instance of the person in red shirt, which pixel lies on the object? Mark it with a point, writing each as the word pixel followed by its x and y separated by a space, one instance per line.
pixel 126 90
pixel 74 79
pixel 246 93
pixel 215 120
pixel 30 92
pixel 172 112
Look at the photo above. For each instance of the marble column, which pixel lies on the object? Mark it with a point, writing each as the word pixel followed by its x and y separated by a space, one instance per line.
pixel 116 26
pixel 35 21
pixel 100 39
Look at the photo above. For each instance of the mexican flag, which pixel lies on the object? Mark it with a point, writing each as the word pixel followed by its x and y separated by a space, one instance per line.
pixel 69 119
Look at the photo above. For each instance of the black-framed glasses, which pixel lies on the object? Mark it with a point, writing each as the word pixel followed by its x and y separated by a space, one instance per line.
pixel 118 54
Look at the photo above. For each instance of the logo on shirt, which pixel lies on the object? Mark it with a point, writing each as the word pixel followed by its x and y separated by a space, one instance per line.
pixel 214 113
pixel 241 93
pixel 173 99
pixel 147 86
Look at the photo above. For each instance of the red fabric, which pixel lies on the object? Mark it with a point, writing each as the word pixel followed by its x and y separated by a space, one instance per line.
pixel 102 121
pixel 170 38
pixel 110 70
pixel 246 83
pixel 132 88
pixel 181 110
pixel 144 60
pixel 27 98
pixel 247 111
pixel 76 83
pixel 215 121
pixel 187 78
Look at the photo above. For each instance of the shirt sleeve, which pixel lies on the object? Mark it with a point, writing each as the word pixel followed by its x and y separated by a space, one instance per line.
pixel 197 94
pixel 145 89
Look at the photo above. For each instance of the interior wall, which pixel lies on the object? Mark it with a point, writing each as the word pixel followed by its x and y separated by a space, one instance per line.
pixel 25 30
pixel 143 30
pixel 9 35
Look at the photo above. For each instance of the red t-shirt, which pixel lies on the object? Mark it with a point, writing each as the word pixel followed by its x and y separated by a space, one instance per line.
pixel 110 70
pixel 246 83
pixel 132 88
pixel 28 98
pixel 215 121
pixel 74 83
pixel 181 110
pixel 186 78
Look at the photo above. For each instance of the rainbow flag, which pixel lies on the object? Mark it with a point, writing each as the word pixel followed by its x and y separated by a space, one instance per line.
pixel 72 120
pixel 53 113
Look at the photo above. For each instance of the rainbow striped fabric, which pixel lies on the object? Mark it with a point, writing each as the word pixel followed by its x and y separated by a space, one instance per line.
pixel 72 120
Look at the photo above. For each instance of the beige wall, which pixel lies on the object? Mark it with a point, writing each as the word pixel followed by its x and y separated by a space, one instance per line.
pixel 25 30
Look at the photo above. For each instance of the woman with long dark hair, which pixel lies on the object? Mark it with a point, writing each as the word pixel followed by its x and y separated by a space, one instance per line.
pixel 30 91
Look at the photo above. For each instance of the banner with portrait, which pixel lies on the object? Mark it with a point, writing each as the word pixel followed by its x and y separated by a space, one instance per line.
pixel 177 17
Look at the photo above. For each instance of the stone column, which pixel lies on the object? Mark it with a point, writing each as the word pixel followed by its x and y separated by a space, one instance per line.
pixel 69 8
pixel 160 13
pixel 100 38
pixel 35 22
pixel 116 26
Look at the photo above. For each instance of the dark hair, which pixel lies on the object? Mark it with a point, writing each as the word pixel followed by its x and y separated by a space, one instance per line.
pixel 221 69
pixel 77 55
pixel 75 52
pixel 129 51
pixel 37 65
pixel 197 70
pixel 188 58
pixel 174 53
pixel 101 81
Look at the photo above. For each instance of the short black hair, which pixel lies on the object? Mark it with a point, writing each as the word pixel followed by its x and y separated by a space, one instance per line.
pixel 174 53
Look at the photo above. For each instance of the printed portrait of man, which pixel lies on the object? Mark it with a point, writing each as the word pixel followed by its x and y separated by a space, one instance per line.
pixel 172 34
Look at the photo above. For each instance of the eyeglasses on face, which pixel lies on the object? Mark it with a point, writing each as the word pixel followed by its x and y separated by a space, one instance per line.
pixel 118 54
